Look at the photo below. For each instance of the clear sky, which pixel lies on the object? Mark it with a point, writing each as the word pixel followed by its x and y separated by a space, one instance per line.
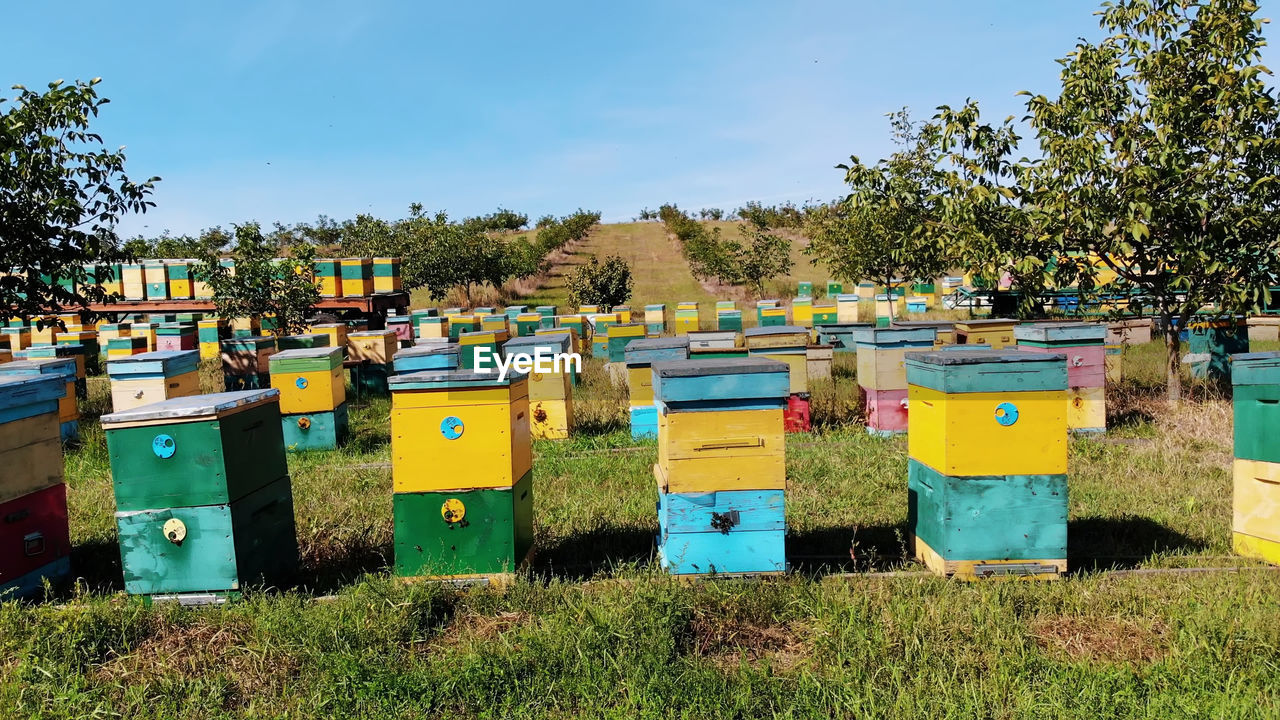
pixel 285 109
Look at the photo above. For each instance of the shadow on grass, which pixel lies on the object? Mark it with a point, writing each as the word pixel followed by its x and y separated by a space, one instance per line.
pixel 1124 542
pixel 97 564
pixel 586 554
pixel 333 565
pixel 823 551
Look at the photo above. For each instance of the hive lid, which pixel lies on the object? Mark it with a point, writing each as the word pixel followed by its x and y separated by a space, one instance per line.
pixel 165 362
pixel 991 322
pixel 720 366
pixel 639 353
pixel 842 328
pixel 987 371
pixel 1256 368
pixel 441 379
pixel 913 324
pixel 891 336
pixel 306 359
pixel 64 366
pixel 445 348
pixel 659 343
pixel 372 334
pixel 774 330
pixel 329 325
pixel 22 390
pixel 980 357
pixel 193 407
pixel 1061 333
pixel 658 306
pixel 551 341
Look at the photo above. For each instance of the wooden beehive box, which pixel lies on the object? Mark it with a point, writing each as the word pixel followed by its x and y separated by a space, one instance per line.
pixel 328 277
pixel 30 441
pixel 550 393
pixel 337 333
pixel 618 337
pixel 203 500
pixel 247 356
pixel 724 532
pixel 386 275
pixel 778 336
pixel 118 347
pixel 310 380
pixel 996 332
pixel 420 358
pixel 946 330
pixel 376 347
pixel 719 339
pixel 357 277
pixel 1255 379
pixel 882 353
pixel 640 356
pixel 147 378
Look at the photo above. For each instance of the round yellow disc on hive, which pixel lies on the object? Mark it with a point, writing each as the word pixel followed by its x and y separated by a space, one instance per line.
pixel 453 510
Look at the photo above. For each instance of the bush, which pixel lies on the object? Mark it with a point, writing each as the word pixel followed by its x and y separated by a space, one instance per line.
pixel 597 283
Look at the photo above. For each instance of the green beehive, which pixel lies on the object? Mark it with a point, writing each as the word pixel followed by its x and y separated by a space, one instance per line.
pixel 1213 341
pixel 307 340
pixel 204 505
pixel 834 288
pixel 548 313
pixel 496 535
pixel 729 320
pixel 804 288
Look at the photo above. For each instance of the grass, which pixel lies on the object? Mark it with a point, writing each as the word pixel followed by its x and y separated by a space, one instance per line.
pixel 594 630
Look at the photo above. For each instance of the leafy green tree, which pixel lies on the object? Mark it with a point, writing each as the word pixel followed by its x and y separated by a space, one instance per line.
pixel 605 283
pixel 885 230
pixel 262 283
pixel 62 192
pixel 757 258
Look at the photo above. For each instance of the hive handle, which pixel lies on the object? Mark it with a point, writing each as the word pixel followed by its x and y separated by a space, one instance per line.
pixel 730 443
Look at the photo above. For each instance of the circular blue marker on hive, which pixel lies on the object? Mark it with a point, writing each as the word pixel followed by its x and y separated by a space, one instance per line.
pixel 1006 413
pixel 451 427
pixel 163 446
pixel 301 383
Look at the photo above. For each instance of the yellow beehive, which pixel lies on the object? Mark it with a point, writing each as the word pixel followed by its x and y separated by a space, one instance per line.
pixel 463 431
pixel 133 283
pixel 1087 407
pixel 146 331
pixel 721 450
pixel 376 347
pixel 846 308
pixel 19 338
pixel 209 333
pixel 624 314
pixel 337 333
pixel 46 335
pixel 996 332
pixel 433 327
pixel 357 277
pixel 797 365
pixel 200 289
pixel 1256 510
pixel 386 275
pixel 179 275
pixel 572 332
pixel 588 309
pixel 494 322
pixel 310 380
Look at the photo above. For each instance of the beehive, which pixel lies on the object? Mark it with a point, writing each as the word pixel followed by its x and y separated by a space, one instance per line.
pixel 461 466
pixel 686 318
pixel 75 352
pixel 589 309
pixel 204 505
pixel 246 362
pixel 917 303
pixel 1256 497
pixel 45 332
pixel 459 324
pixel 600 323
pixel 623 312
pixel 372 354
pixel 729 320
pixel 655 319
pixel 146 331
pixel 996 332
pixel 846 308
pixel 818 361
pixel 420 358
pixel 1083 346
pixel 575 344
pixel 882 374
pixel 434 327
pixel 209 335
pixel 329 277
pixel 386 275
pixel 157 280
pixel 313 396
pixel 721 465
pixel 802 311
pixel 804 289
pixel 19 338
pixel 719 339
pixel 357 277
pixel 834 288
pixel 303 341
pixel 337 333
pixel 884 310
pixel 1264 329
pixel 618 337
pixel 147 378
pixel 548 314
pixel 550 392
pixel 478 349
pixel 783 343
pixel 64 369
pixel 1136 331
pixel 176 336
pixel 824 315
pixel 178 274
pixel 133 282
pixel 840 336
pixel 119 347
pixel 35 542
pixel 525 323
pixel 1213 341
pixel 987 458
pixel 640 356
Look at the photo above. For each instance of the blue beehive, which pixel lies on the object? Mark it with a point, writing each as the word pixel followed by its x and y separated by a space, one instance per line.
pixel 639 357
pixel 432 356
pixel 65 369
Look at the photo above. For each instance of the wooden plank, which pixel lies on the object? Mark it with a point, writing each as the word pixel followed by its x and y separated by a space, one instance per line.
pixel 487 446
pixel 493 535
pixel 962 434
pixel 31 452
pixel 703 553
pixel 725 511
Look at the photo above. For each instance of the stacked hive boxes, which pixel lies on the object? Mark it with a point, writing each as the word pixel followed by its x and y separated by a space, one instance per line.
pixel 109 331
pixel 686 318
pixel 313 397
pixel 640 356
pixel 420 358
pixel 575 345
pixel 514 311
pixel 373 354
pixel 133 282
pixel 357 277
pixel 386 275
pixel 825 315
pixel 35 542
pixel 987 449
pixel 146 331
pixel 804 289
pixel 882 374
pixel 548 313
pixel 600 323
pixel 525 323
pixel 1213 341
pixel 459 324
pixel 87 340
pixel 152 377
pixel 721 468
pixel 75 353
pixel 623 312
pixel 619 336
pixel 784 343
pixel 1256 499
pixel 246 362
pixel 1083 346
pixel 714 339
pixel 118 347
pixel 550 393
pixel 179 276
pixel 996 332
pixel 329 277
pixel 494 322
pixel 774 316
pixel 655 319
pixel 64 369
pixel 462 473
pixel 946 331
pixel 156 277
pixel 204 505
pixel 176 336
pixel 847 308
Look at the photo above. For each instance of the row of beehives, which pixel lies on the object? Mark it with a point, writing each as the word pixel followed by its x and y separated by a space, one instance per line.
pixel 181 280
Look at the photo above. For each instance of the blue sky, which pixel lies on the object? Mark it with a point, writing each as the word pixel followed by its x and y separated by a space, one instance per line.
pixel 285 109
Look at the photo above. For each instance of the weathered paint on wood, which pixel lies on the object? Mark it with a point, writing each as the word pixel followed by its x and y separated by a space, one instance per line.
pixel 985 371
pixel 970 433
pixel 33 533
pixel 712 553
pixel 723 512
pixel 31 453
pixel 494 534
pixel 698 381
pixel 886 411
pixel 1256 409
pixel 315 431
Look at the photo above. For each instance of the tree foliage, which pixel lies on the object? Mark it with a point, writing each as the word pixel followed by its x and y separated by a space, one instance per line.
pixel 261 283
pixel 756 257
pixel 61 194
pixel 605 283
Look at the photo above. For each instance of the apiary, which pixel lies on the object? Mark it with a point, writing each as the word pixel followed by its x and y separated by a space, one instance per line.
pixel 721 469
pixel 600 323
pixel 996 332
pixel 461 466
pixel 178 273
pixel 575 344
pixel 328 277
pixel 64 369
pixel 493 322
pixel 655 319
pixel 1083 345
pixel 87 340
pixel 176 336
pixel 45 332
pixel 882 374
pixel 246 327
pixel 357 277
pixel 1213 341
pixel 118 347
pixel 846 308
pixel 686 318
pixel 987 463
pixel 313 397
pixel 640 356
pixel 35 542
pixel 551 392
pixel 372 354
pixel 618 337
pixel 1256 482
pixel 386 275
pixel 156 277
pixel 74 352
pixel 246 362
pixel 204 506
pixel 147 378
pixel 478 349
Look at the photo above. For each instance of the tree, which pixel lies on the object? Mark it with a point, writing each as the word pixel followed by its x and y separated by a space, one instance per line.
pixel 758 257
pixel 596 283
pixel 1159 160
pixel 61 195
pixel 262 284
pixel 887 229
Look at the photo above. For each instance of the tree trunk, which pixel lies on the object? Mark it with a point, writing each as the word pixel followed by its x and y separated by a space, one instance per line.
pixel 1173 359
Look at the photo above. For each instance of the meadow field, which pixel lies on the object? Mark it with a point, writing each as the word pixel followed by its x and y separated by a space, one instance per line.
pixel 1156 619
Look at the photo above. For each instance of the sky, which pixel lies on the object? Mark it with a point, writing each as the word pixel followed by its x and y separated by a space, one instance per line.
pixel 282 110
